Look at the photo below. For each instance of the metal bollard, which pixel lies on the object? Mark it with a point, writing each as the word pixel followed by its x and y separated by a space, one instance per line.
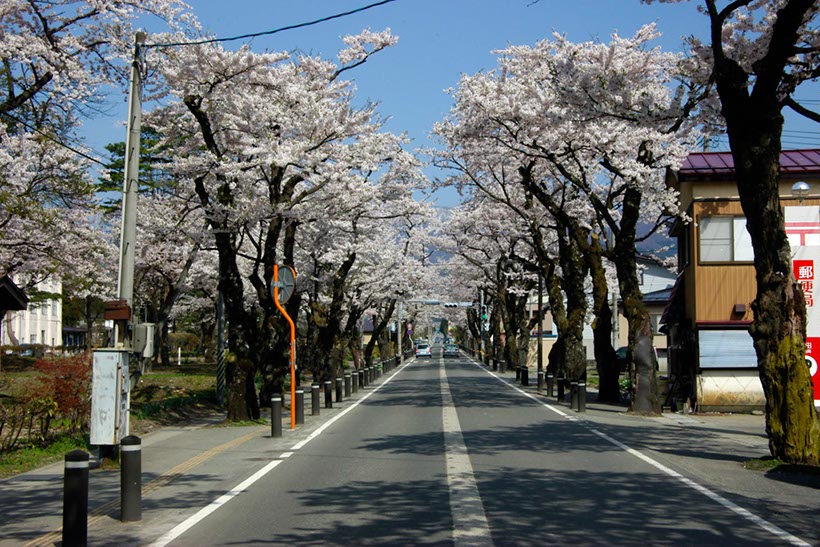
pixel 276 416
pixel 362 380
pixel 300 406
pixel 75 499
pixel 561 388
pixel 495 364
pixel 339 384
pixel 550 380
pixel 540 381
pixel 503 365
pixel 130 479
pixel 573 395
pixel 314 399
pixel 525 375
pixel 582 397
pixel 347 385
pixel 518 373
pixel 328 394
pixel 354 380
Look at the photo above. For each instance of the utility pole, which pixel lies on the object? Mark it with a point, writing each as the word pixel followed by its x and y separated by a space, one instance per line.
pixel 128 236
pixel 481 320
pixel 540 333
pixel 400 332
pixel 110 377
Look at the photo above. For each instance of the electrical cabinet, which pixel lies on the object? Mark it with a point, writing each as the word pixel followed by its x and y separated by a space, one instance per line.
pixel 110 397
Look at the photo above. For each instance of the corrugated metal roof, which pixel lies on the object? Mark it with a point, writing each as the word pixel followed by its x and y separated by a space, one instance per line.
pixel 722 163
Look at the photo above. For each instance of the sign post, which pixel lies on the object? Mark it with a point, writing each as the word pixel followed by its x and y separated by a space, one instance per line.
pixel 282 290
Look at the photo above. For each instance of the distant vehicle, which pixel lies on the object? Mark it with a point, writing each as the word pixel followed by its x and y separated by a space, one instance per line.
pixel 450 350
pixel 623 364
pixel 423 350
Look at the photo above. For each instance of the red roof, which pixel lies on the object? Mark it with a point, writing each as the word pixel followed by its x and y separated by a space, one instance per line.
pixel 722 163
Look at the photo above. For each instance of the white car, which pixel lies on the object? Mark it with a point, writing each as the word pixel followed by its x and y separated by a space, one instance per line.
pixel 423 350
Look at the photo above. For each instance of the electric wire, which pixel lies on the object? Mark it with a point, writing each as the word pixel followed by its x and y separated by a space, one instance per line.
pixel 270 32
pixel 55 140
pixel 209 41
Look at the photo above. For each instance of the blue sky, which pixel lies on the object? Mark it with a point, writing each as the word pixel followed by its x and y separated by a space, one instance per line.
pixel 438 41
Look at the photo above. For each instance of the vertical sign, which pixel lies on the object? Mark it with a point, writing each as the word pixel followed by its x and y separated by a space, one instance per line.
pixel 803 230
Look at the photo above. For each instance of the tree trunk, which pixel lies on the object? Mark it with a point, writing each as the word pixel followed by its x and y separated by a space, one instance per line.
pixel 754 123
pixel 779 325
pixel 379 327
pixel 573 275
pixel 640 353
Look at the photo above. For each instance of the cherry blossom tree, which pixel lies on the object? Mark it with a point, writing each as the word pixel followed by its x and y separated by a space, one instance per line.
pixel 590 129
pixel 757 54
pixel 492 250
pixel 269 146
pixel 55 59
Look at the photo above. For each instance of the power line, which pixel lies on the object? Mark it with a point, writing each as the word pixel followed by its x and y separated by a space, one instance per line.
pixel 275 31
pixel 54 140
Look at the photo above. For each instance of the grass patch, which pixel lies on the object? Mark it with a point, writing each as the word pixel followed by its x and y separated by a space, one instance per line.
pixel 31 457
pixel 766 463
pixel 243 423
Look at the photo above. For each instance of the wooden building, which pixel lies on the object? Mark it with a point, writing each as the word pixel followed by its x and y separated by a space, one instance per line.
pixel 711 357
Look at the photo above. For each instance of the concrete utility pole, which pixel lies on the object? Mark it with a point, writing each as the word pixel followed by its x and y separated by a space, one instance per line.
pixel 400 332
pixel 481 320
pixel 128 236
pixel 540 333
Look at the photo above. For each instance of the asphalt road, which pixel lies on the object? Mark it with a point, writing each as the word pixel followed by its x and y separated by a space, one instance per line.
pixel 444 452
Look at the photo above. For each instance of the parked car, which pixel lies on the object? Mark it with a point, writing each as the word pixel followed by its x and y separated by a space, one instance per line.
pixel 450 350
pixel 423 350
pixel 620 358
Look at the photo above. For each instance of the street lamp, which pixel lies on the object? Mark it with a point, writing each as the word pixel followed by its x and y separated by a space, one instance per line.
pixel 800 189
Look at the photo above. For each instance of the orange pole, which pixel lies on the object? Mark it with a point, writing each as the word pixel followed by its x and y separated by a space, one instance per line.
pixel 292 347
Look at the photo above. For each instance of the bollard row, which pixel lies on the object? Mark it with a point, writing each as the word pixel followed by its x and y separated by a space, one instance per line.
pixel 76 474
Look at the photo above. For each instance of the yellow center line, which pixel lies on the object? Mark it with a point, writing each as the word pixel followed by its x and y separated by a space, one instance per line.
pixel 106 509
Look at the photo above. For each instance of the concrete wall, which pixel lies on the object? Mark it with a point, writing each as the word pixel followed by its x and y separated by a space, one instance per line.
pixel 730 390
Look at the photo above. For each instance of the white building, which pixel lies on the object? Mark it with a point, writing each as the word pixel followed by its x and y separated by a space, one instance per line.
pixel 41 323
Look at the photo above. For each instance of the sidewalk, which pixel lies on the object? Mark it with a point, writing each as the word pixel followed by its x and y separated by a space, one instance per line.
pixel 747 430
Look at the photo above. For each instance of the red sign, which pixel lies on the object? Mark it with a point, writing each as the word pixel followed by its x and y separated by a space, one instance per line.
pixel 804 274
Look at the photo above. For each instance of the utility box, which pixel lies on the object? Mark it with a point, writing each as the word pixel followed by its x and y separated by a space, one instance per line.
pixel 110 397
pixel 144 340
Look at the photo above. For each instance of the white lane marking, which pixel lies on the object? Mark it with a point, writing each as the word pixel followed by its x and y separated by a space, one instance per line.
pixel 338 416
pixel 191 521
pixel 470 526
pixel 738 510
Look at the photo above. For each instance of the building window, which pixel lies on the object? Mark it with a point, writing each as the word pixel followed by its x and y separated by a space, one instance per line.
pixel 655 321
pixel 724 239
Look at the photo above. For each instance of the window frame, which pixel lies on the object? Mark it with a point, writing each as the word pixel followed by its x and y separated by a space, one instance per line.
pixel 734 239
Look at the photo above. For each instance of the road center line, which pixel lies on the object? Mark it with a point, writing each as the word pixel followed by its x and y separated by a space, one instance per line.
pixel 738 510
pixel 470 524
